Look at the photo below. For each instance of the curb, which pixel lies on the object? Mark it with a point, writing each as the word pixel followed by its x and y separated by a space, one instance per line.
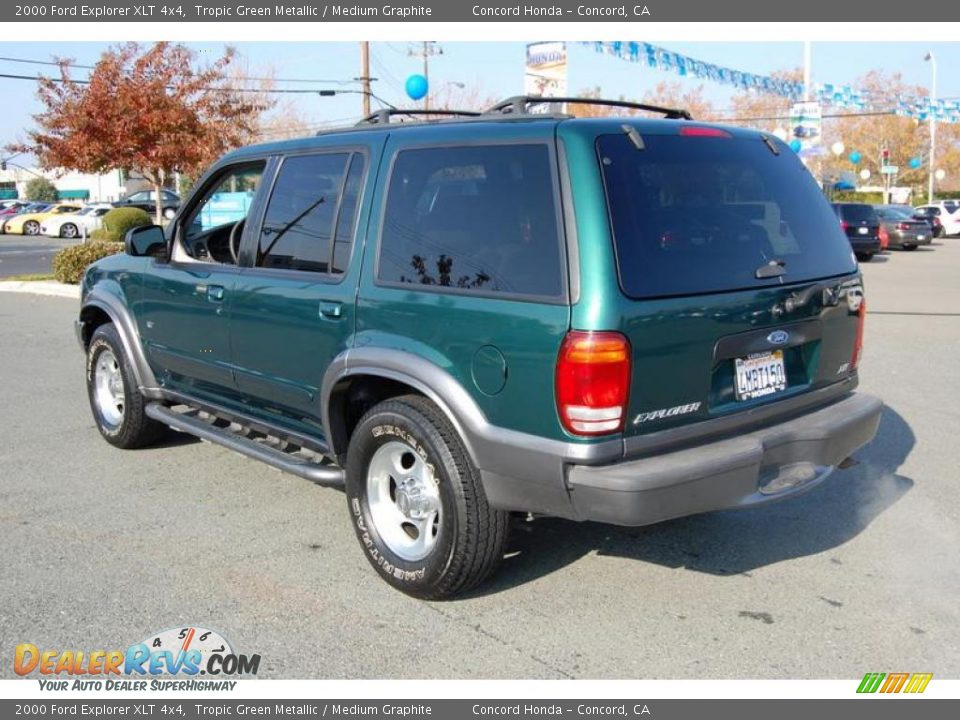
pixel 41 287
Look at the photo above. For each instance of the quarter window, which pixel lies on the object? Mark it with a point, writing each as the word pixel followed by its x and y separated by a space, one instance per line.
pixel 473 218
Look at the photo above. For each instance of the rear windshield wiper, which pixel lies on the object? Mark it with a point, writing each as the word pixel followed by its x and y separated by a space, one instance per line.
pixel 772 269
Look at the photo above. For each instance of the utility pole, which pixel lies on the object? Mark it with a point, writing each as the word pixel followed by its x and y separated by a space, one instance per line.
pixel 933 124
pixel 365 76
pixel 428 49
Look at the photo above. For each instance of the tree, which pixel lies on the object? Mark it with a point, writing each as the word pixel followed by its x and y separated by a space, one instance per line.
pixel 143 110
pixel 41 189
pixel 664 94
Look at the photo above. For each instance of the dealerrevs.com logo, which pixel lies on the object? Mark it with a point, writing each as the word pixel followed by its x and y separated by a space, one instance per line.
pixel 189 658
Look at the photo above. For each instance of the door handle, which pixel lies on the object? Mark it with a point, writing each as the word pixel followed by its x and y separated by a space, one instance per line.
pixel 215 293
pixel 331 310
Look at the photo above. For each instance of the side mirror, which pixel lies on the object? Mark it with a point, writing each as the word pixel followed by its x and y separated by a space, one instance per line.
pixel 145 241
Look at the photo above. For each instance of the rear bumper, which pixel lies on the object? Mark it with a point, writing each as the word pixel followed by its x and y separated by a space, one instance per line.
pixel 865 244
pixel 758 467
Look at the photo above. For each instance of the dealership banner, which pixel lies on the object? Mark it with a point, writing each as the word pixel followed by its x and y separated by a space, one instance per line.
pixel 483 709
pixel 571 11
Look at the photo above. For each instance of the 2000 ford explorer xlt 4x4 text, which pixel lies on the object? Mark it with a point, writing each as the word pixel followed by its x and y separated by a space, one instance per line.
pixel 621 319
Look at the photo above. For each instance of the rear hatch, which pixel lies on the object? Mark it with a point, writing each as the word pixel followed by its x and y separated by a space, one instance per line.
pixel 860 222
pixel 738 288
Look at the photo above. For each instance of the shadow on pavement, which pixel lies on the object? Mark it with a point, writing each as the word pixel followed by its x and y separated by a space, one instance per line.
pixel 731 542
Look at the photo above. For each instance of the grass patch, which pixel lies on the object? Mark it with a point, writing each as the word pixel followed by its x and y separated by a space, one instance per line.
pixel 28 277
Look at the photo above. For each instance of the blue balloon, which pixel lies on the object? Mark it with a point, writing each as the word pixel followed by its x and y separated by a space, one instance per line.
pixel 915 162
pixel 796 145
pixel 416 87
pixel 855 157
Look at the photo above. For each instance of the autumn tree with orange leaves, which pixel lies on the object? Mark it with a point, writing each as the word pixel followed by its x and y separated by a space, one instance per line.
pixel 148 111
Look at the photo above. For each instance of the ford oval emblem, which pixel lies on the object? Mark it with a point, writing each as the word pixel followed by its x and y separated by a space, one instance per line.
pixel 778 337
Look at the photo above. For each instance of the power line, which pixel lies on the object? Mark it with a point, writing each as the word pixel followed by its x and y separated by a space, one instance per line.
pixel 281 91
pixel 253 79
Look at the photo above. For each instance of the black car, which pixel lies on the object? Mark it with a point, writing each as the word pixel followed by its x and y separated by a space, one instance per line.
pixel 147 200
pixel 862 226
pixel 932 216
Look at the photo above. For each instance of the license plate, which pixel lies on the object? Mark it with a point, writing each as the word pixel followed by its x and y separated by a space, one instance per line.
pixel 760 374
pixel 863 231
pixel 921 237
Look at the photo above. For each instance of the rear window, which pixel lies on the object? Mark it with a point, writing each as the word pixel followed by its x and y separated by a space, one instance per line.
pixel 695 215
pixel 858 213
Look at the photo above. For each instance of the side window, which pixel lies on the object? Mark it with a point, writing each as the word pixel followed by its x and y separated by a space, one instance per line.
pixel 480 218
pixel 347 220
pixel 298 228
pixel 211 228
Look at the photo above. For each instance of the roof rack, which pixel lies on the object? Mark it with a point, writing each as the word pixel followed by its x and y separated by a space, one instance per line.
pixel 520 105
pixel 381 117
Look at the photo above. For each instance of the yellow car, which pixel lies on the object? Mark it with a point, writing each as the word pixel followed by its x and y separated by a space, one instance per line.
pixel 29 223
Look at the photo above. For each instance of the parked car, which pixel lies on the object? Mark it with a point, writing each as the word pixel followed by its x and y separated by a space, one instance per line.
pixel 932 216
pixel 74 225
pixel 617 319
pixel 14 207
pixel 948 212
pixel 904 231
pixel 862 226
pixel 28 223
pixel 147 200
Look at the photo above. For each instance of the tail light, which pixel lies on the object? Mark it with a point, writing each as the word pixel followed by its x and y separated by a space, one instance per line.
pixel 903 226
pixel 858 342
pixel 844 224
pixel 593 382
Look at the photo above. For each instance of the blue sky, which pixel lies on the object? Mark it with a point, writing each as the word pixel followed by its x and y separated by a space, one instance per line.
pixel 495 69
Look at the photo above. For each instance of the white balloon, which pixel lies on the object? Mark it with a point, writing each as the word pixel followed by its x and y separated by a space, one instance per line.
pixel 837 148
pixel 864 174
pixel 940 174
pixel 780 134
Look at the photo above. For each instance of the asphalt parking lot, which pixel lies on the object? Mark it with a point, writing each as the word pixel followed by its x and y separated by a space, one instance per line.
pixel 25 255
pixel 103 547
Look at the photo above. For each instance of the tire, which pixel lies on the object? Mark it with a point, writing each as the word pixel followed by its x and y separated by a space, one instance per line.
pixel 31 227
pixel 864 257
pixel 69 231
pixel 909 247
pixel 168 213
pixel 435 535
pixel 116 403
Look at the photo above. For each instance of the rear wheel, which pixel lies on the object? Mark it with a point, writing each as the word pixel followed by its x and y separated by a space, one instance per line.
pixel 864 257
pixel 117 405
pixel 909 247
pixel 69 230
pixel 31 227
pixel 417 502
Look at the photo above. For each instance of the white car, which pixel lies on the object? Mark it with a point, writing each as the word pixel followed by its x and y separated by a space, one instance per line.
pixel 949 213
pixel 74 225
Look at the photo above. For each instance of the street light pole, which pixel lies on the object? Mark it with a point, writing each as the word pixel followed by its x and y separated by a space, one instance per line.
pixel 933 124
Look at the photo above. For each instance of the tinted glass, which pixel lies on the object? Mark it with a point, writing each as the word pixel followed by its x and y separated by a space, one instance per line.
pixel 473 218
pixel 894 214
pixel 298 226
pixel 858 213
pixel 343 241
pixel 701 214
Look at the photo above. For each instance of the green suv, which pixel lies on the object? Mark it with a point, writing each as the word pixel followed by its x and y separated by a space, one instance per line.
pixel 623 319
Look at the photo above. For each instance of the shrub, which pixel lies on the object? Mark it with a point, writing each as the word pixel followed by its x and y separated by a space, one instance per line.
pixel 41 189
pixel 69 263
pixel 118 221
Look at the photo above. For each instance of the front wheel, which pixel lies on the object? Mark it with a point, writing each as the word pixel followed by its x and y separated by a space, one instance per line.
pixel 117 405
pixel 417 503
pixel 31 227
